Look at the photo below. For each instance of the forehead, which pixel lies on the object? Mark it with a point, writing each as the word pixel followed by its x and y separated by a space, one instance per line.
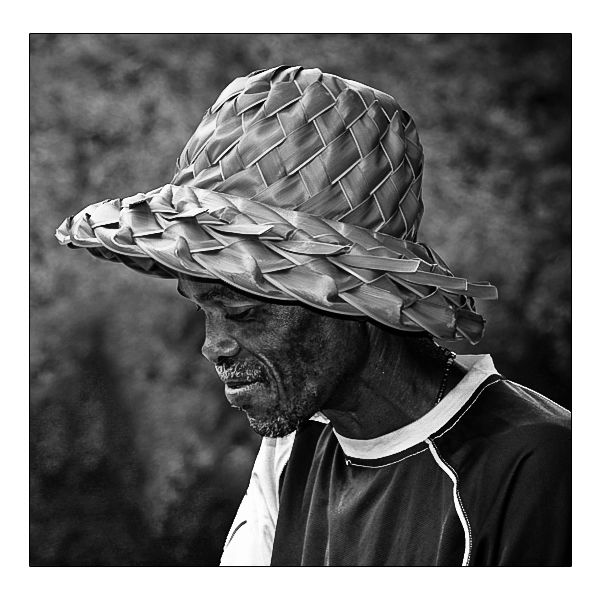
pixel 207 291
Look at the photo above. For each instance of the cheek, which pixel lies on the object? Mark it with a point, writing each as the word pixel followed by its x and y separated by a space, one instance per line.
pixel 290 345
pixel 322 353
pixel 311 354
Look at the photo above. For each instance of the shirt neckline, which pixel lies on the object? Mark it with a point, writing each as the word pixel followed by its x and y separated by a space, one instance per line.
pixel 479 368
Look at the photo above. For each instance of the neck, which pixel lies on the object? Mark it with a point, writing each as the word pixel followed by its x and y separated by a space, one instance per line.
pixel 397 383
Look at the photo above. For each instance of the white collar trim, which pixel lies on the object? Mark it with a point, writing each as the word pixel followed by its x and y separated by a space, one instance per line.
pixel 480 367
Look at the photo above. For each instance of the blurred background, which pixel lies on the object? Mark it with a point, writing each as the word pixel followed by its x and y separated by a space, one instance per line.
pixel 135 456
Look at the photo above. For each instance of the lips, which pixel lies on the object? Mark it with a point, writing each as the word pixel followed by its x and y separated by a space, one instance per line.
pixel 245 382
pixel 238 383
pixel 239 386
pixel 239 375
pixel 242 381
pixel 243 394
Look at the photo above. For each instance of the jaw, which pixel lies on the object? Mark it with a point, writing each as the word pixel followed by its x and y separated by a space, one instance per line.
pixel 276 425
pixel 277 418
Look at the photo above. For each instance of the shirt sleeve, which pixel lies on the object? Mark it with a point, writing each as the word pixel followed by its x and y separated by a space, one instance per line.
pixel 250 538
pixel 537 518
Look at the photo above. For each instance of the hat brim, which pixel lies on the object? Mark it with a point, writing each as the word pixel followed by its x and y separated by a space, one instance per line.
pixel 282 255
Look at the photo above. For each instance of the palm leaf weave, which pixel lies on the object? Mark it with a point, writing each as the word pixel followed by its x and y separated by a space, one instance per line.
pixel 296 186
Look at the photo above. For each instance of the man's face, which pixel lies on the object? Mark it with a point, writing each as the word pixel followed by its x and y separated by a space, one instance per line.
pixel 280 363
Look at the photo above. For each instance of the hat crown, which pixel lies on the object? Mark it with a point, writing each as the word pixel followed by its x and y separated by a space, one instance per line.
pixel 305 140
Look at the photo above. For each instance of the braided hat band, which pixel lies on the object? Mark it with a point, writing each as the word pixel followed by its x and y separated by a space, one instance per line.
pixel 296 186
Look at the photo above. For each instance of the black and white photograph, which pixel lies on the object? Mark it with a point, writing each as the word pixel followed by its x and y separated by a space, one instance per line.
pixel 300 299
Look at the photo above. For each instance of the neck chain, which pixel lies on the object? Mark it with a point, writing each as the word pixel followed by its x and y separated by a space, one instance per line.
pixel 450 356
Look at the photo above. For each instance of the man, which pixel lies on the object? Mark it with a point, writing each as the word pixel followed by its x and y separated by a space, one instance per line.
pixel 291 221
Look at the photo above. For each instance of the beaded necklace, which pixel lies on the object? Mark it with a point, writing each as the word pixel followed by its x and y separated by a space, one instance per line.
pixel 450 357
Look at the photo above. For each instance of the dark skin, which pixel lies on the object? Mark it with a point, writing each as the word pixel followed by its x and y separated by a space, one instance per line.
pixel 281 363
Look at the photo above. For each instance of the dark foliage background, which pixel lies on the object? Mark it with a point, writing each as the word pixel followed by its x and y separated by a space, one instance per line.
pixel 135 456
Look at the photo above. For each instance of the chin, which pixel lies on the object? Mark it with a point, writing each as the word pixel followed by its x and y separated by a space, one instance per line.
pixel 276 426
pixel 270 417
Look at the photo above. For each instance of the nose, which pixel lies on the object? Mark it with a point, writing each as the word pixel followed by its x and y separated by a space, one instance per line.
pixel 218 342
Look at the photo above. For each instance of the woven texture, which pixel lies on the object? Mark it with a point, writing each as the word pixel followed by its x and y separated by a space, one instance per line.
pixel 281 254
pixel 297 186
pixel 306 140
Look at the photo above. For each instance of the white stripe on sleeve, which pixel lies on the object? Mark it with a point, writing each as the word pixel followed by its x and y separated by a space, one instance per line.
pixel 250 538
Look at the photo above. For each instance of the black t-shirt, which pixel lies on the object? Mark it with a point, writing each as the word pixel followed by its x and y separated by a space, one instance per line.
pixel 490 486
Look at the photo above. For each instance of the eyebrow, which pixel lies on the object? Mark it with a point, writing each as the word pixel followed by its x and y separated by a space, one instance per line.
pixel 214 294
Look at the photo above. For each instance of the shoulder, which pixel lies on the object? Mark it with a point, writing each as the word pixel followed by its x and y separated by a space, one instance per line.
pixel 526 416
pixel 511 452
pixel 507 422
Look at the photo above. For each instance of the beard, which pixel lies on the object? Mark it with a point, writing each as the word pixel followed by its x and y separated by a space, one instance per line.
pixel 277 426
pixel 281 421
pixel 284 415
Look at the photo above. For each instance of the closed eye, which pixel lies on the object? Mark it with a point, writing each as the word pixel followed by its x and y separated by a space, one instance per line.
pixel 241 313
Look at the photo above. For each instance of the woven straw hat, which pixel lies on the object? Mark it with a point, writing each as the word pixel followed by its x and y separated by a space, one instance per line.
pixel 297 185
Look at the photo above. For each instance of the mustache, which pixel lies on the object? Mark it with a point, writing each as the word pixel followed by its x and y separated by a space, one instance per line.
pixel 245 371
